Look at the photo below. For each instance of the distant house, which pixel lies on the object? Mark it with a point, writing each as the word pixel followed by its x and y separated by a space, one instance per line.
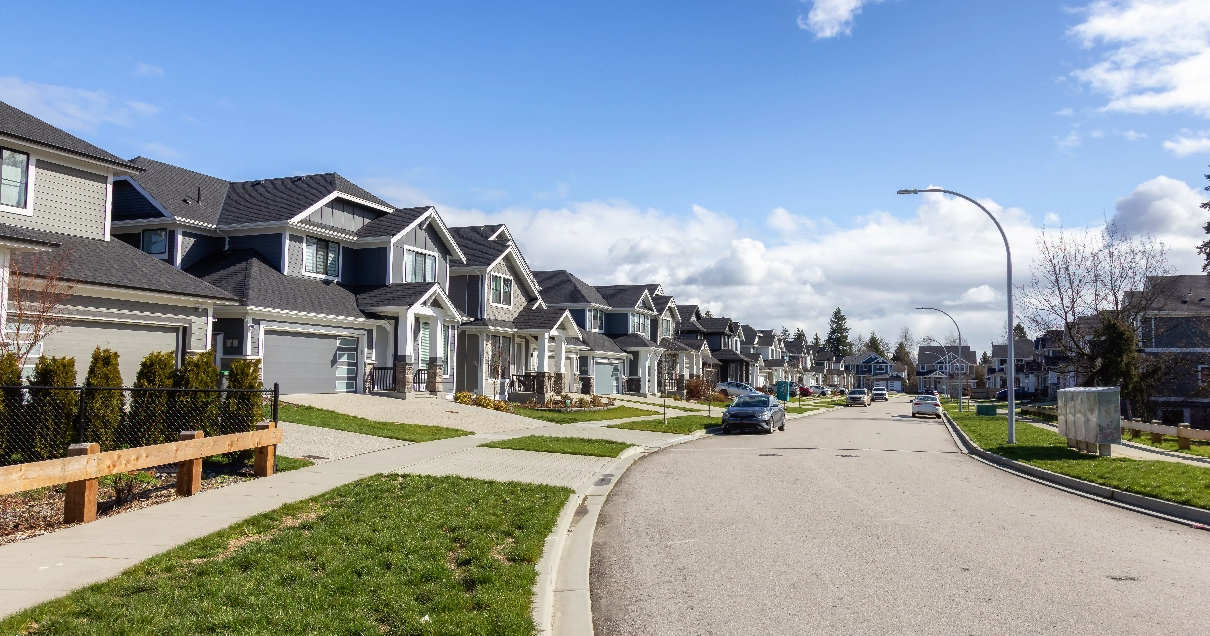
pixel 1027 368
pixel 872 371
pixel 601 365
pixel 692 335
pixel 944 369
pixel 725 341
pixel 1176 333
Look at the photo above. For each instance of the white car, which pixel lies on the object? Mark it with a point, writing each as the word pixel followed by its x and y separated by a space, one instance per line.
pixel 735 388
pixel 926 405
pixel 879 394
pixel 858 397
pixel 819 390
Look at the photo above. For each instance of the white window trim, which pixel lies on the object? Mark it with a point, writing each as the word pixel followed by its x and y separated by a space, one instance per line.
pixel 162 257
pixel 512 289
pixel 28 210
pixel 339 260
pixel 419 250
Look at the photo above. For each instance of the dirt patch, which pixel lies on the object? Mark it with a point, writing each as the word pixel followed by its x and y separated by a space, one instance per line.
pixel 293 521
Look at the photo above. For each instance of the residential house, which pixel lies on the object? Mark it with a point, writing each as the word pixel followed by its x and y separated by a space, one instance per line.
pixel 726 341
pixel 1027 368
pixel 628 321
pixel 800 360
pixel 335 290
pixel 56 221
pixel 1175 332
pixel 872 371
pixel 945 369
pixel 691 334
pixel 601 365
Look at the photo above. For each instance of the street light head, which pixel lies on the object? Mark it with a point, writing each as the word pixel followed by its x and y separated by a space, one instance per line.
pixel 913 191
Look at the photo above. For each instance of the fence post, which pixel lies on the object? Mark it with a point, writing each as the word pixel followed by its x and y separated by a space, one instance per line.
pixel 80 504
pixel 1156 438
pixel 189 472
pixel 266 456
pixel 80 415
pixel 1182 436
pixel 276 394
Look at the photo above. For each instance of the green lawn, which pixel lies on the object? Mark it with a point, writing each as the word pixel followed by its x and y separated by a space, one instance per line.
pixel 285 464
pixel 682 424
pixel 565 445
pixel 806 409
pixel 672 404
pixel 1172 481
pixel 614 413
pixel 389 554
pixel 1196 446
pixel 324 418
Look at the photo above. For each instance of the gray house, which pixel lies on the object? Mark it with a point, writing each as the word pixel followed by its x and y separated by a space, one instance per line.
pixel 601 364
pixel 56 220
pixel 335 290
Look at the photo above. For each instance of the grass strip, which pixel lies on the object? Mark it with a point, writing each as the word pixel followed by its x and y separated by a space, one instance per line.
pixel 388 554
pixel 804 409
pixel 681 425
pixel 558 417
pixel 1168 443
pixel 323 418
pixel 565 445
pixel 1170 481
pixel 285 464
pixel 671 405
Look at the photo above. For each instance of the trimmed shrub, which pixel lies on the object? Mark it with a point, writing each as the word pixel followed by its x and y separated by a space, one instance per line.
pixel 103 409
pixel 10 406
pixel 148 423
pixel 697 388
pixel 464 397
pixel 197 411
pixel 52 412
pixel 243 410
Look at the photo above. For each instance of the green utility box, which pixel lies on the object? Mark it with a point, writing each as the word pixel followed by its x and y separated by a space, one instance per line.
pixel 985 409
pixel 783 391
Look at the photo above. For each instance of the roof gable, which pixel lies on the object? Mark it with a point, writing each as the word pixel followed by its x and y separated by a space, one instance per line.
pixel 183 194
pixel 21 125
pixel 560 287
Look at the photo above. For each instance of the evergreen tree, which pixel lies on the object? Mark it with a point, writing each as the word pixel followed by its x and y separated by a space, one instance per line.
pixel 200 410
pixel 1019 332
pixel 985 359
pixel 876 344
pixel 800 335
pixel 1116 362
pixel 10 405
pixel 147 423
pixel 52 412
pixel 816 342
pixel 103 409
pixel 838 335
pixel 1204 247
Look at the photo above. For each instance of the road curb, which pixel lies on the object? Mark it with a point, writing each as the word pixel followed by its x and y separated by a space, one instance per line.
pixel 1150 506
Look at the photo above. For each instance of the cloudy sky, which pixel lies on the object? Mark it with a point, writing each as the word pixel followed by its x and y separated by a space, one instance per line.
pixel 745 154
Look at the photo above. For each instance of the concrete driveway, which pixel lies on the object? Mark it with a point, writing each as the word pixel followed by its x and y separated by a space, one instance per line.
pixel 865 521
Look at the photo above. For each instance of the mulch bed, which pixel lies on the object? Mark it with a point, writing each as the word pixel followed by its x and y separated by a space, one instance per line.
pixel 34 512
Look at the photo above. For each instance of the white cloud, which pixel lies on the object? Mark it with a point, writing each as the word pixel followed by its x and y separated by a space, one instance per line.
pixel 148 70
pixel 1184 146
pixel 981 295
pixel 1131 135
pixel 783 221
pixel 1169 210
pixel 70 108
pixel 1070 141
pixel 1157 57
pixel 830 18
pixel 1066 112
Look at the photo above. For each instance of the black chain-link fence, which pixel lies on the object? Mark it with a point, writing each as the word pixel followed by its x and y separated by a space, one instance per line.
pixel 39 422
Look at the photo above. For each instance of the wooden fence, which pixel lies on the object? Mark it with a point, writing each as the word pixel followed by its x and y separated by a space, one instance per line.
pixel 85 464
pixel 1182 432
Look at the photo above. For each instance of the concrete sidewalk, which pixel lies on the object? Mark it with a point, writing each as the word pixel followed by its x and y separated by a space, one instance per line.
pixel 51 565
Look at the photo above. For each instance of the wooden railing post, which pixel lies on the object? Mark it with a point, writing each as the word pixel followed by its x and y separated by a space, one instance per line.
pixel 1156 438
pixel 1182 436
pixel 80 504
pixel 266 456
pixel 189 472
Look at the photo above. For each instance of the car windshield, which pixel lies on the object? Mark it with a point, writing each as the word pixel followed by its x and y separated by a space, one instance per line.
pixel 752 400
pixel 925 398
pixel 857 392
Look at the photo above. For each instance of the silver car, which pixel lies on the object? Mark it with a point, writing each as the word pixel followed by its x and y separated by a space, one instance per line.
pixel 757 412
pixel 857 397
pixel 735 388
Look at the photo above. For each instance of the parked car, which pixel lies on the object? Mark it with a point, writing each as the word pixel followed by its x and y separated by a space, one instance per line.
pixel 806 391
pixel 879 394
pixel 1018 394
pixel 932 392
pixel 754 412
pixel 819 390
pixel 735 388
pixel 858 397
pixel 926 405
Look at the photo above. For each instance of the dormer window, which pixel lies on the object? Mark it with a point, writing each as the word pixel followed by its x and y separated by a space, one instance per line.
pixel 14 178
pixel 323 257
pixel 640 323
pixel 155 242
pixel 596 320
pixel 502 290
pixel 421 267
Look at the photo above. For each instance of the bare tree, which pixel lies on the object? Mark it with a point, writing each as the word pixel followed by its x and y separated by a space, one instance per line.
pixel 36 292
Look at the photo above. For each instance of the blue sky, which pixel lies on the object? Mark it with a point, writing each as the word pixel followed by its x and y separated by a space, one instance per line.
pixel 630 141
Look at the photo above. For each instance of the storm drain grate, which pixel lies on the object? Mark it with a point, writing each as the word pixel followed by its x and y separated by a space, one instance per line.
pixel 848 455
pixel 769 455
pixel 1120 577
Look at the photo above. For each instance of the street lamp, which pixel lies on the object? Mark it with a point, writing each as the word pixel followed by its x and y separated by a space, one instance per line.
pixel 961 380
pixel 945 355
pixel 1012 361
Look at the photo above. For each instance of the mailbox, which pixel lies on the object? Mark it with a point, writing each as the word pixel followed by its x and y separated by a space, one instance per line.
pixel 1091 418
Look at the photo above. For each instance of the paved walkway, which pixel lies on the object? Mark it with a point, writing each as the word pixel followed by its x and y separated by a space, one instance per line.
pixel 324 444
pixel 431 411
pixel 48 566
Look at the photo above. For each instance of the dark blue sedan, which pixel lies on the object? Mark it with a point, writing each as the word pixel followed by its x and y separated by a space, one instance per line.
pixel 761 413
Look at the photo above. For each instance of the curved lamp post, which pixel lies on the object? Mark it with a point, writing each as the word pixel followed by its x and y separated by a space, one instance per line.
pixel 1012 362
pixel 961 381
pixel 946 352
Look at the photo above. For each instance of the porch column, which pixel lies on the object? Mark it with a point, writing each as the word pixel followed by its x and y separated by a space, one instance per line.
pixel 434 363
pixel 644 372
pixel 560 379
pixel 5 255
pixel 403 348
pixel 542 377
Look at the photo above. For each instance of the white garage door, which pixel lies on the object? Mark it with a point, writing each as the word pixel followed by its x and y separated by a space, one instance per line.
pixel 310 363
pixel 608 378
pixel 132 342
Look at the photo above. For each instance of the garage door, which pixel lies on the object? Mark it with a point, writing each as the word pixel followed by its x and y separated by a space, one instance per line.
pixel 132 342
pixel 310 363
pixel 608 378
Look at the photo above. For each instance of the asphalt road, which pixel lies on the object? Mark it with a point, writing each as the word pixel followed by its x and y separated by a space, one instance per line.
pixel 865 521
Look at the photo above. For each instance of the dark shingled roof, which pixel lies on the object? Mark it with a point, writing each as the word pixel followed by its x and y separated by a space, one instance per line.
pixel 730 355
pixel 530 318
pixel 282 199
pixel 32 237
pixel 479 249
pixel 490 322
pixel 560 287
pixel 113 264
pixel 694 343
pixel 715 325
pixel 601 342
pixel 748 333
pixel 176 189
pixel 687 311
pixel 673 345
pixel 622 296
pixel 246 275
pixel 22 125
pixel 633 341
pixel 391 224
pixel 396 295
pixel 661 303
pixel 775 363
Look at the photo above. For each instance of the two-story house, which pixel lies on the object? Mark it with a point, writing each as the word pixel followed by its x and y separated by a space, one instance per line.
pixel 514 346
pixel 600 363
pixel 872 371
pixel 628 322
pixel 1175 335
pixel 945 369
pixel 336 290
pixel 1027 368
pixel 56 223
pixel 726 340
pixel 692 335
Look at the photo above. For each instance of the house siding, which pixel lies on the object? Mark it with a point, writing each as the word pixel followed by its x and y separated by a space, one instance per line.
pixel 366 266
pixel 129 204
pixel 269 245
pixel 425 239
pixel 297 247
pixel 617 323
pixel 191 318
pixel 66 200
pixel 344 215
pixel 520 299
pixel 474 299
pixel 457 293
pixel 580 316
pixel 195 247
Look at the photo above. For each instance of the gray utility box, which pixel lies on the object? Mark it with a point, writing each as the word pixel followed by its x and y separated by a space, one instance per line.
pixel 1091 418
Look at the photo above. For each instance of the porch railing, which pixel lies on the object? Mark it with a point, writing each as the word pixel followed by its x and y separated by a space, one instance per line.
pixel 383 379
pixel 420 380
pixel 532 382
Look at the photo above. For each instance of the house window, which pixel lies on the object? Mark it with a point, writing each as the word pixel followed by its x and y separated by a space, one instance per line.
pixel 502 290
pixel 596 320
pixel 421 267
pixel 666 328
pixel 14 178
pixel 322 257
pixel 155 242
pixel 640 323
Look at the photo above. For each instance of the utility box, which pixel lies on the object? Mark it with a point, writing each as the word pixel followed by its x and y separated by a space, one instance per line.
pixel 985 409
pixel 783 391
pixel 1091 418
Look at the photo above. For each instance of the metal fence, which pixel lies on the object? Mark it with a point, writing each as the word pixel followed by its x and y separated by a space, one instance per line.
pixel 383 379
pixel 39 422
pixel 420 380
